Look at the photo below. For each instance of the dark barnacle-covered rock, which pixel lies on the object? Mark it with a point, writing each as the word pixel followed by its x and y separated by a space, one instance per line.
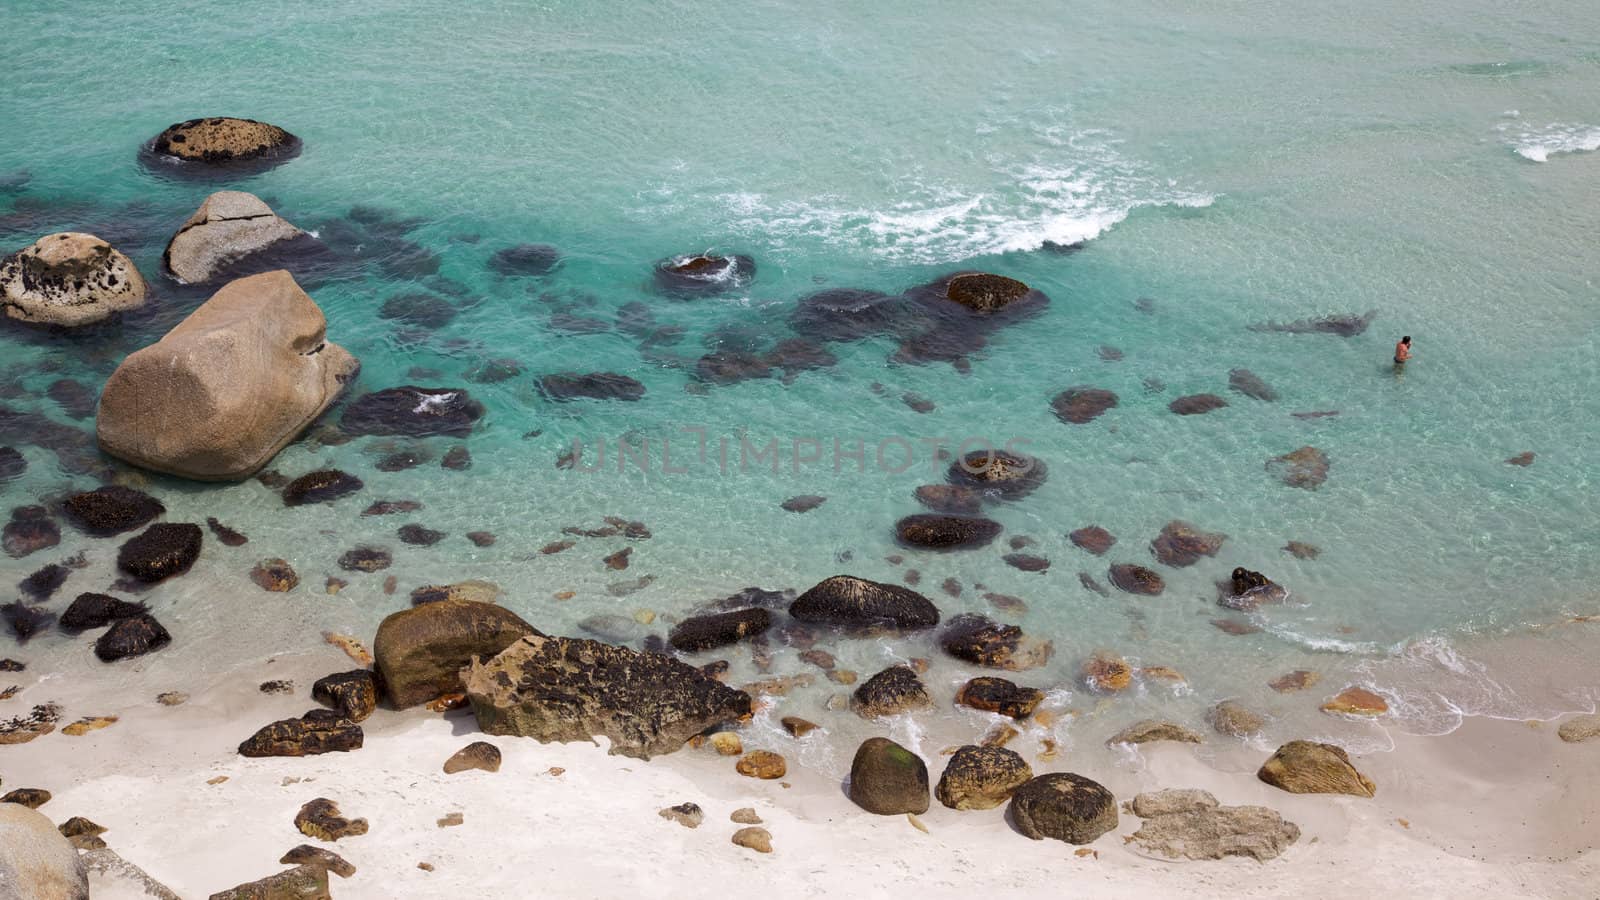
pixel 412 412
pixel 702 274
pixel 161 551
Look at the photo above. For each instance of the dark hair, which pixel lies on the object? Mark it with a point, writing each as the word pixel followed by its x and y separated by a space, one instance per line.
pixel 1406 339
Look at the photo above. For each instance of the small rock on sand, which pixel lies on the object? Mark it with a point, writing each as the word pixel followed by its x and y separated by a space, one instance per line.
pixel 689 815
pixel 763 764
pixel 744 815
pixel 757 839
pixel 1581 728
pixel 476 755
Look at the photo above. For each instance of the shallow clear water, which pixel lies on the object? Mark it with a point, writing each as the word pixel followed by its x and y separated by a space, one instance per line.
pixel 1235 164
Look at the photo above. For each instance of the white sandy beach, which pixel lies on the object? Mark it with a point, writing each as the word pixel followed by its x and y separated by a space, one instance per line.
pixel 1495 809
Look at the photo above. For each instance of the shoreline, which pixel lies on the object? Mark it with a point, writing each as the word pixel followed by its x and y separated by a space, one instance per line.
pixel 1495 808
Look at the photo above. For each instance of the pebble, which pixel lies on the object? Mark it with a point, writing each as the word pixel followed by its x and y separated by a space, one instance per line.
pixel 745 815
pixel 757 839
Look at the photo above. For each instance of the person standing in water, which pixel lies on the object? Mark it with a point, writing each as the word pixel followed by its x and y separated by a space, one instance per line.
pixel 1402 352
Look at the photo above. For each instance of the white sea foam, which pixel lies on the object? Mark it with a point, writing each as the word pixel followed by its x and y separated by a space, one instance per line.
pixel 1559 138
pixel 1072 187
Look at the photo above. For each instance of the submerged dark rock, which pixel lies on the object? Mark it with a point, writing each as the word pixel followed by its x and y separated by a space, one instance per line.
pixel 25 621
pixel 418 536
pixel 44 582
pixel 1304 468
pixel 131 637
pixel 1081 405
pixel 1093 538
pixel 718 630
pixel 1343 325
pixel 226 535
pixel 420 309
pixel 856 603
pixel 320 487
pixel 97 610
pixel 526 259
pixel 111 510
pixel 1250 384
pixel 412 412
pixel 30 530
pixel 12 464
pixel 935 531
pixel 732 367
pixel 1010 475
pixel 978 640
pixel 1197 404
pixel 572 689
pixel 75 398
pixel 703 274
pixel 591 385
pixel 804 503
pixel 1180 544
pixel 161 551
pixel 846 314
pixel 997 695
pixel 365 559
pixel 1137 579
pixel 950 498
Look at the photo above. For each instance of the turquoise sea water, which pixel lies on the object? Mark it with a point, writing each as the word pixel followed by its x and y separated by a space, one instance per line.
pixel 1233 163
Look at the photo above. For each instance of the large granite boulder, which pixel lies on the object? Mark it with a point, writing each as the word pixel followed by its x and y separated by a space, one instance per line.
pixel 409 411
pixel 161 551
pixel 1180 544
pixel 573 689
pixel 1189 824
pixel 218 396
pixel 1063 806
pixel 1308 767
pixel 887 779
pixel 895 690
pixel 228 226
pixel 318 731
pixel 222 140
pixel 981 777
pixel 856 603
pixel 935 531
pixel 36 862
pixel 981 641
pixel 1005 473
pixel 997 695
pixel 421 651
pixel 718 630
pixel 69 279
pixel 110 510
